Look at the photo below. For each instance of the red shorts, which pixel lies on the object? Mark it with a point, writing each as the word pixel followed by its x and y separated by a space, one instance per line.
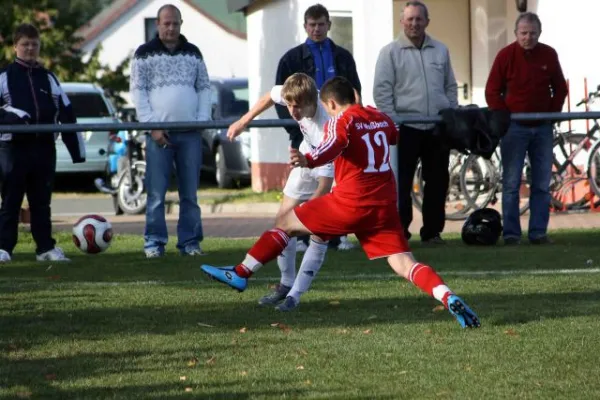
pixel 377 228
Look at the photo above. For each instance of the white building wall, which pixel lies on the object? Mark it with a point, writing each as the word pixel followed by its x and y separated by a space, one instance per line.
pixel 226 55
pixel 576 50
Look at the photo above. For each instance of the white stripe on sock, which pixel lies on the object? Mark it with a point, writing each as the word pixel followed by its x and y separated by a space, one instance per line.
pixel 440 291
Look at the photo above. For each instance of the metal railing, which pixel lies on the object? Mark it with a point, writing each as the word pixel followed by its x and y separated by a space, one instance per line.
pixel 265 123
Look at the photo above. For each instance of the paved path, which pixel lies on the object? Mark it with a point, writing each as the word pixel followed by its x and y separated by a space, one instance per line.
pixel 238 225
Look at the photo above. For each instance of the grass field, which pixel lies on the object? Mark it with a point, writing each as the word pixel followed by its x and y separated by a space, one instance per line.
pixel 120 326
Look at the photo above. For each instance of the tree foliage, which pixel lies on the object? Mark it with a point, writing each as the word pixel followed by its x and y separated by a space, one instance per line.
pixel 57 21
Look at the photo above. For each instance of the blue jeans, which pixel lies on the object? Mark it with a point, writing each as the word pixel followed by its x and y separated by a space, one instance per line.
pixel 186 151
pixel 536 141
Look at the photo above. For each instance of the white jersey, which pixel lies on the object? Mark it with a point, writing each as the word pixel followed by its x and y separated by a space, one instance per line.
pixel 302 182
pixel 312 128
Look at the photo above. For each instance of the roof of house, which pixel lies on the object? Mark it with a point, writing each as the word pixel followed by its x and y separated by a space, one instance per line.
pixel 216 11
pixel 238 5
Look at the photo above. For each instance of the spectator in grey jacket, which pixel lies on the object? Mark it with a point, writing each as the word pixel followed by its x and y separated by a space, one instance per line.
pixel 413 75
pixel 169 82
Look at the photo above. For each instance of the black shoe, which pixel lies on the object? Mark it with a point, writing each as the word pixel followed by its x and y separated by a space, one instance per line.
pixel 436 240
pixel 276 296
pixel 541 240
pixel 512 241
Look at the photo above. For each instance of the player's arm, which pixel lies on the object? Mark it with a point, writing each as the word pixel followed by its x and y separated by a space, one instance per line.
pixel 325 177
pixel 324 187
pixel 334 142
pixel 262 105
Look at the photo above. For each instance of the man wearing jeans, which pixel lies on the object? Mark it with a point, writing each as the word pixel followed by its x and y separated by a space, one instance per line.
pixel 526 77
pixel 169 82
pixel 413 75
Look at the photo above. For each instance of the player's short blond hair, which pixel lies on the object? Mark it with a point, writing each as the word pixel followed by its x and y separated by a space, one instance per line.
pixel 301 89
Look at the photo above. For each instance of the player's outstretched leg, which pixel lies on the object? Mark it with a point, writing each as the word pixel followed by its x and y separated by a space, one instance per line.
pixel 267 248
pixel 311 264
pixel 426 279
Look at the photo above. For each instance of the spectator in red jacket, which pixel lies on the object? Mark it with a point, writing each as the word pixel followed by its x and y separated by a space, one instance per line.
pixel 526 77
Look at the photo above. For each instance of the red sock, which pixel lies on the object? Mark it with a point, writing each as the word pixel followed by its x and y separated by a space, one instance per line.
pixel 426 279
pixel 243 271
pixel 266 249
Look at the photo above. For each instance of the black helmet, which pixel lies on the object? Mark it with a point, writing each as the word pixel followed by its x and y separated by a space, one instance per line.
pixel 482 227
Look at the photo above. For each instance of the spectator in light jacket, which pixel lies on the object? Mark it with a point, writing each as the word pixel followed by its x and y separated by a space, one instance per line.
pixel 413 75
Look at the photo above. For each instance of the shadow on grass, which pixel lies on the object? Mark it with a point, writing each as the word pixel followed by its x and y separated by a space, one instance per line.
pixel 43 377
pixel 95 323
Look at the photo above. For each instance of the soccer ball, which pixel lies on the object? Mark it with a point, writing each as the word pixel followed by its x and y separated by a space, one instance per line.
pixel 92 234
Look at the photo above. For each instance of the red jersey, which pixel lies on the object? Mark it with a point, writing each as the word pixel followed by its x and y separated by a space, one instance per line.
pixel 526 80
pixel 359 140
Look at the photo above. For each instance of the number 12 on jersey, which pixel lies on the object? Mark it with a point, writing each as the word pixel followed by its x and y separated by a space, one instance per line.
pixel 381 142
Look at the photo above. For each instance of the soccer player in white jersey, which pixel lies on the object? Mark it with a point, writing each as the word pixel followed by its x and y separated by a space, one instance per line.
pixel 299 94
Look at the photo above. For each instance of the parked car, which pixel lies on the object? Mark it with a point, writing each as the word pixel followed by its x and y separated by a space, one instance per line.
pixel 91 106
pixel 228 162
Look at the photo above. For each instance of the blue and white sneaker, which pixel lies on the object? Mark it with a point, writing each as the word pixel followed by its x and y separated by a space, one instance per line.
pixel 227 276
pixel 461 311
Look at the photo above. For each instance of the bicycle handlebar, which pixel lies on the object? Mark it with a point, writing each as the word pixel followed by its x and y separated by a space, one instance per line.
pixel 590 98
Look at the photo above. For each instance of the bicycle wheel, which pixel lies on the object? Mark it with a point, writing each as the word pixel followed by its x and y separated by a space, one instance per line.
pixel 456 204
pixel 481 182
pixel 417 191
pixel 593 172
pixel 478 181
pixel 571 180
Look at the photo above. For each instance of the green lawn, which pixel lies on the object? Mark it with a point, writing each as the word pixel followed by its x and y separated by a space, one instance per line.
pixel 119 326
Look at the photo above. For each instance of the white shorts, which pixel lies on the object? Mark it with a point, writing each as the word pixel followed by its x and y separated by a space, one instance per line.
pixel 302 182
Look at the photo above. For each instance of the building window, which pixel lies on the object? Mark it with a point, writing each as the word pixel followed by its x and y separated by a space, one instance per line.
pixel 341 30
pixel 149 28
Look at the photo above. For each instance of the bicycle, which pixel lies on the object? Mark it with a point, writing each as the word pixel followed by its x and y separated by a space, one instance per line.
pixel 481 181
pixel 457 205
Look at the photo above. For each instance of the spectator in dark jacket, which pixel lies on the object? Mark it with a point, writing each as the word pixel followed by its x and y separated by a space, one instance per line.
pixel 318 57
pixel 526 77
pixel 321 59
pixel 30 94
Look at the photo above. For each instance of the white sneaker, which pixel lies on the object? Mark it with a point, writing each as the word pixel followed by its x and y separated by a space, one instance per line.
pixel 194 252
pixel 4 256
pixel 153 253
pixel 56 254
pixel 345 244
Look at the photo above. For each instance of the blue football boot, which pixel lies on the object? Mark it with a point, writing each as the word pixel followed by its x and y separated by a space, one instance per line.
pixel 227 276
pixel 463 314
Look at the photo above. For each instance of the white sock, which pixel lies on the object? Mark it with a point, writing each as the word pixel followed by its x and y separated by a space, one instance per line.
pixel 287 263
pixel 311 264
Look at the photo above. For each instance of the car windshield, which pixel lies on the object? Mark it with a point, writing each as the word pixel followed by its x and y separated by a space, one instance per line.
pixel 88 105
pixel 235 101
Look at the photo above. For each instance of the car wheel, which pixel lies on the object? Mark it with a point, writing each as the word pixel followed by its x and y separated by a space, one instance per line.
pixel 224 181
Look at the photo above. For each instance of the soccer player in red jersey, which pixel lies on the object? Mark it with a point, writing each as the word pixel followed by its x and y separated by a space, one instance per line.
pixel 363 201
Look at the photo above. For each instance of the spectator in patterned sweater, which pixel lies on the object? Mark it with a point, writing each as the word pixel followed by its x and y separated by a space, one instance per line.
pixel 169 82
pixel 526 77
